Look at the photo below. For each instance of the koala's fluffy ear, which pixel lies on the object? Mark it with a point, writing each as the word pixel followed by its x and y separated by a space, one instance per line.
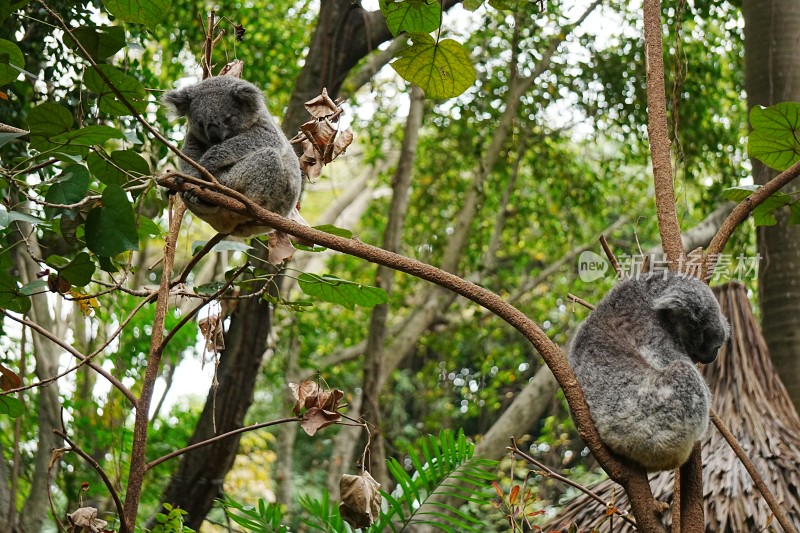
pixel 674 300
pixel 249 96
pixel 178 101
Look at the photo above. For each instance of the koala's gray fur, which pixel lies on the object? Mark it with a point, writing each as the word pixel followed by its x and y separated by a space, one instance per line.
pixel 234 137
pixel 634 359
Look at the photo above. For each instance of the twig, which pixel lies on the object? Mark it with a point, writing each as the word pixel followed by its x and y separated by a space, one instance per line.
pixel 772 502
pixel 611 257
pixel 580 301
pixel 212 440
pixel 94 464
pixel 552 473
pixel 216 239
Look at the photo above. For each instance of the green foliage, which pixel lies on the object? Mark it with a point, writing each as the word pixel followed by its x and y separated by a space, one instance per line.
pixel 265 518
pixel 11 406
pixel 775 139
pixel 129 87
pixel 11 61
pixel 411 16
pixel 146 12
pixel 338 291
pixel 764 214
pixel 171 521
pixel 443 467
pixel 111 228
pixel 441 68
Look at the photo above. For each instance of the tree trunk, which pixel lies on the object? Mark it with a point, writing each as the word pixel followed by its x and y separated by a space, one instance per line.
pixel 772 75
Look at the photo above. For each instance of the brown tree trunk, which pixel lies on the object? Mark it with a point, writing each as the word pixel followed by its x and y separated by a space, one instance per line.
pixel 772 75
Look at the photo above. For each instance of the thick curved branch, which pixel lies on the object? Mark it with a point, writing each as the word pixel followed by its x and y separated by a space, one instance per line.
pixel 632 478
pixel 746 206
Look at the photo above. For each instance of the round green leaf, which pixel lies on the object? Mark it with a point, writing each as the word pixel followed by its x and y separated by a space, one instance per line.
pixel 442 70
pixel 69 188
pixel 45 121
pixel 775 139
pixel 147 12
pixel 88 136
pixel 79 271
pixel 11 61
pixel 411 16
pixel 111 228
pixel 10 297
pixel 130 88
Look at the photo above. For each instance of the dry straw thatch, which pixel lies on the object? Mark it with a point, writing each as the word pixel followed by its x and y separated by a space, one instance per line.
pixel 750 398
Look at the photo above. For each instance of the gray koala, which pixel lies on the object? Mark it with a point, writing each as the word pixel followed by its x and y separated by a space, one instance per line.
pixel 634 359
pixel 234 137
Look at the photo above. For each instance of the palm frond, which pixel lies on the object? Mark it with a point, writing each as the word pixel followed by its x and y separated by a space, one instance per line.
pixel 444 476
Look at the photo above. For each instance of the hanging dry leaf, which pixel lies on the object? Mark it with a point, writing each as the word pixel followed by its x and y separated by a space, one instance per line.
pixel 86 517
pixel 280 248
pixel 301 392
pixel 315 419
pixel 322 105
pixel 9 379
pixel 212 330
pixel 325 399
pixel 361 499
pixel 234 68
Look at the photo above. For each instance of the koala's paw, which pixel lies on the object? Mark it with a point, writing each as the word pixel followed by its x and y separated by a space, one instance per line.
pixel 198 205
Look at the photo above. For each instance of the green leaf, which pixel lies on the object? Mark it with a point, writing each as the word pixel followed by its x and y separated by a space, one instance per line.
pixel 148 228
pixel 763 214
pixel 69 188
pixel 775 139
pixel 411 16
pixel 111 228
pixel 11 406
pixel 130 88
pixel 100 41
pixel 7 217
pixel 504 5
pixel 6 138
pixel 795 209
pixel 146 12
pixel 10 296
pixel 11 61
pixel 79 271
pixel 472 5
pixel 6 7
pixel 88 136
pixel 118 167
pixel 45 121
pixel 442 70
pixel 339 291
pixel 333 230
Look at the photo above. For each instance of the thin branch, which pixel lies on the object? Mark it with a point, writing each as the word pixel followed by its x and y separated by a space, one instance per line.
pixel 772 502
pixel 580 301
pixel 555 475
pixel 75 353
pixel 216 239
pixel 219 437
pixel 94 464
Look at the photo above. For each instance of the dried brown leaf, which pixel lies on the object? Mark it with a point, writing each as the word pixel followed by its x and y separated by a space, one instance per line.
pixel 280 247
pixel 322 105
pixel 9 379
pixel 301 392
pixel 343 140
pixel 234 68
pixel 361 499
pixel 316 418
pixel 86 517
pixel 212 330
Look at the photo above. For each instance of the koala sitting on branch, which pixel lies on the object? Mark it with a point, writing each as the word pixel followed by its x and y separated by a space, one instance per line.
pixel 234 137
pixel 635 357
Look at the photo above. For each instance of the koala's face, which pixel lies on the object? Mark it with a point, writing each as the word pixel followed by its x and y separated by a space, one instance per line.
pixel 218 108
pixel 689 309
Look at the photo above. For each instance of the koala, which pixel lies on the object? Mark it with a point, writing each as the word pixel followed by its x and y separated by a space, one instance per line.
pixel 635 357
pixel 234 137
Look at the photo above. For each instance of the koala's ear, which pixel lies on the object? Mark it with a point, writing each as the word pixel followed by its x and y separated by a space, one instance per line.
pixel 674 300
pixel 178 101
pixel 248 95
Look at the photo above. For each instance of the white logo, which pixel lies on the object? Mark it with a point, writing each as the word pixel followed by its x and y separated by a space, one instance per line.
pixel 591 266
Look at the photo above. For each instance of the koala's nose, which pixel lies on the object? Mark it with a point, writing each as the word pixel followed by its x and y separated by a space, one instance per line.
pixel 214 133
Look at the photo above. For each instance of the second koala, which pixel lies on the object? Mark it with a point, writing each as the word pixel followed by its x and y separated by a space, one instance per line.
pixel 234 137
pixel 634 359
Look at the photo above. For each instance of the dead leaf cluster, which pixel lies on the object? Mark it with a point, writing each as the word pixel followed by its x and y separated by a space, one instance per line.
pixel 85 519
pixel 321 138
pixel 361 499
pixel 319 407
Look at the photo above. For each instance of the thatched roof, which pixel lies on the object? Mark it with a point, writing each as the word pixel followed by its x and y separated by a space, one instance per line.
pixel 750 398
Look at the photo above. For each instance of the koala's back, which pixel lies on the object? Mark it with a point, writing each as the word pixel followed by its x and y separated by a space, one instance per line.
pixel 646 397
